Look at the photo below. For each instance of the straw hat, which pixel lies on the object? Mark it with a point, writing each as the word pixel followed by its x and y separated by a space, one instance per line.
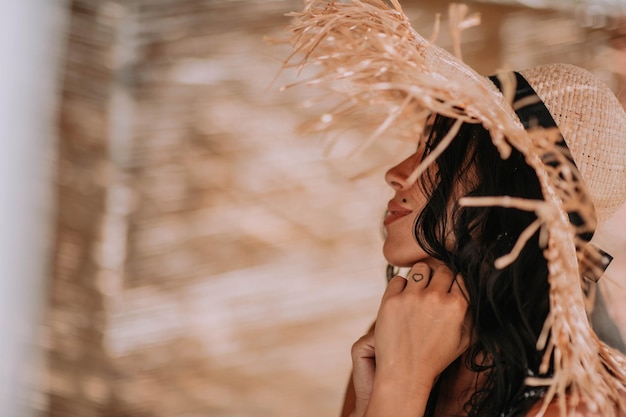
pixel 593 124
pixel 389 79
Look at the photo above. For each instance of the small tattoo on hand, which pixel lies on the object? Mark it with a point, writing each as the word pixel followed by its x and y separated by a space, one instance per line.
pixel 417 277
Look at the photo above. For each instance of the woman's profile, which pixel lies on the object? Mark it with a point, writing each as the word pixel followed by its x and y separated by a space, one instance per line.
pixel 492 215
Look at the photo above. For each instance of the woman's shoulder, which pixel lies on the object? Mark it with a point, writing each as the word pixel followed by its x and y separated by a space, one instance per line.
pixel 581 410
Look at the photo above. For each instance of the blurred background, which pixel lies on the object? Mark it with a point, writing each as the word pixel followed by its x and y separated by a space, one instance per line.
pixel 171 247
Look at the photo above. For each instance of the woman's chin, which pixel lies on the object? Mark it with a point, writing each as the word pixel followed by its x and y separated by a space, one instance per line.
pixel 403 260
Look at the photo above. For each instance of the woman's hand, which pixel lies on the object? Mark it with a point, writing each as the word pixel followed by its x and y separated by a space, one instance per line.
pixel 363 371
pixel 422 324
pixel 422 327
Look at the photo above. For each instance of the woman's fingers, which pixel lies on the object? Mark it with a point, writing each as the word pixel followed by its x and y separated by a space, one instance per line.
pixel 419 274
pixel 441 280
pixel 422 277
pixel 395 286
pixel 363 372
pixel 458 285
pixel 423 323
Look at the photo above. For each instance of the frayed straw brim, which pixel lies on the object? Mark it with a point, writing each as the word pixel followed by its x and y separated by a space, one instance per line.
pixel 389 79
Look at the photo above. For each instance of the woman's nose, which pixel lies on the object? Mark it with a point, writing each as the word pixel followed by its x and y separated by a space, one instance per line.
pixel 397 177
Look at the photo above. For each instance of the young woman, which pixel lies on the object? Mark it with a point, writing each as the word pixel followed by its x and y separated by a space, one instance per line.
pixel 492 214
pixel 457 330
pixel 457 336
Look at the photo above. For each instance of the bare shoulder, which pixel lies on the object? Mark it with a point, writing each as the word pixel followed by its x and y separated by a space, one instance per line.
pixel 582 410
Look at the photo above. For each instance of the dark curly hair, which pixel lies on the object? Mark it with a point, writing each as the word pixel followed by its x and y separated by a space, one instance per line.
pixel 509 305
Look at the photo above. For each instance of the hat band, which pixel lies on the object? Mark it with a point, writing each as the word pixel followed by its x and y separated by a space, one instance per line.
pixel 533 113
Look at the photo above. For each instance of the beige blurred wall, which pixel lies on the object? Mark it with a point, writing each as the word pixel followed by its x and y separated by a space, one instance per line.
pixel 208 261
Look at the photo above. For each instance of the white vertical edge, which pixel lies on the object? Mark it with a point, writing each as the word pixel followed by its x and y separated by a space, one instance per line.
pixel 32 46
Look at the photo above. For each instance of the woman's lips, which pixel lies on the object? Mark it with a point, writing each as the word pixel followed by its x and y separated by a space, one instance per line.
pixel 395 212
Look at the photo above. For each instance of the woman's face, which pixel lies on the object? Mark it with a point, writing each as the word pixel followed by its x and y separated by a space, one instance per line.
pixel 400 247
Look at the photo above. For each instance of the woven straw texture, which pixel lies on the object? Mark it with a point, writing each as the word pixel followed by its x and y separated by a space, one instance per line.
pixel 593 124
